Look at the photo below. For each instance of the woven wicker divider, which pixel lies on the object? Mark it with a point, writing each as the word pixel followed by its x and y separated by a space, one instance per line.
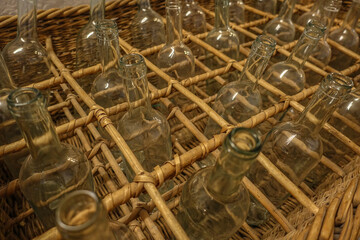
pixel 77 127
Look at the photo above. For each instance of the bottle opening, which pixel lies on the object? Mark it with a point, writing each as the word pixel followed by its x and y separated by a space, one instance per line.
pixel 245 141
pixel 338 81
pixel 23 97
pixel 77 211
pixel 106 27
pixel 315 29
pixel 265 43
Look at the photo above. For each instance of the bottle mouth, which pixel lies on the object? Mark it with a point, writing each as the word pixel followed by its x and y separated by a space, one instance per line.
pixel 132 59
pixel 245 141
pixel 265 43
pixel 173 4
pixel 23 97
pixel 106 27
pixel 338 83
pixel 77 211
pixel 315 29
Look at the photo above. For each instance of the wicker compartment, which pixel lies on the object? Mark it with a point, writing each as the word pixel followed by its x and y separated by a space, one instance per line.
pixel 57 30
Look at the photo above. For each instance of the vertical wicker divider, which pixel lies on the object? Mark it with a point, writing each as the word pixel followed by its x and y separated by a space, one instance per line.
pixel 155 220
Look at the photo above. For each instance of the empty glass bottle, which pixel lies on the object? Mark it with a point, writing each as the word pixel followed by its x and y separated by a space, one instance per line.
pixel 26 58
pixel 147 28
pixel 9 131
pixel 214 203
pixel 193 20
pixel 108 89
pixel 322 51
pixel 175 58
pixel 87 45
pixel 237 15
pixel 53 169
pixel 289 76
pixel 81 216
pixel 144 129
pixel 282 28
pixel 224 39
pixel 295 147
pixel 347 37
pixel 239 100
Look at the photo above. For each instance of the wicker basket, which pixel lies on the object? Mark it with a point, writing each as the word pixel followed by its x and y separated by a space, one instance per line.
pixel 296 219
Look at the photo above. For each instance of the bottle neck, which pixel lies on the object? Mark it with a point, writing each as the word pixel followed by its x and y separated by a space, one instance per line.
pixel 144 5
pixel 133 69
pixel 352 16
pixel 317 6
pixel 173 22
pixel 261 51
pixel 97 10
pixel 324 102
pixel 81 216
pixel 240 149
pixel 305 45
pixel 331 9
pixel 221 14
pixel 286 10
pixel 28 107
pixel 107 33
pixel 26 23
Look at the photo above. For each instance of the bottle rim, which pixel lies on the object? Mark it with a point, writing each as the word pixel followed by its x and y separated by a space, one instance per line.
pixel 14 101
pixel 131 59
pixel 254 137
pixel 339 80
pixel 76 228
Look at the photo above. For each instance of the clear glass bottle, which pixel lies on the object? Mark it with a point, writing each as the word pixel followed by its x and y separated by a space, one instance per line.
pixel 239 100
pixel 295 147
pixel 147 28
pixel 145 130
pixel 347 37
pixel 52 169
pixel 314 13
pixel 282 28
pixel 322 51
pixel 9 131
pixel 237 15
pixel 25 57
pixel 108 88
pixel 224 39
pixel 289 76
pixel 81 216
pixel 214 202
pixel 87 45
pixel 193 20
pixel 175 58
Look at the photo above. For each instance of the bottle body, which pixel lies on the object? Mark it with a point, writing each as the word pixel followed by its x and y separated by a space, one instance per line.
pixel 147 28
pixel 53 169
pixel 87 44
pixel 299 138
pixel 26 58
pixel 144 129
pixel 214 203
pixel 239 100
pixel 282 28
pixel 81 216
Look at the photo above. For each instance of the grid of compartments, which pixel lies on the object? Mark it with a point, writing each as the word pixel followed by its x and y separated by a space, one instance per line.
pixel 57 29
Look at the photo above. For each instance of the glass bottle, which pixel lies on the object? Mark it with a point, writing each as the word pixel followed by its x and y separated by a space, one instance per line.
pixel 87 45
pixel 108 88
pixel 9 131
pixel 214 202
pixel 322 51
pixel 26 58
pixel 175 58
pixel 289 76
pixel 295 147
pixel 347 37
pixel 193 20
pixel 81 216
pixel 239 100
pixel 224 39
pixel 147 28
pixel 314 13
pixel 282 28
pixel 145 130
pixel 52 169
pixel 237 15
